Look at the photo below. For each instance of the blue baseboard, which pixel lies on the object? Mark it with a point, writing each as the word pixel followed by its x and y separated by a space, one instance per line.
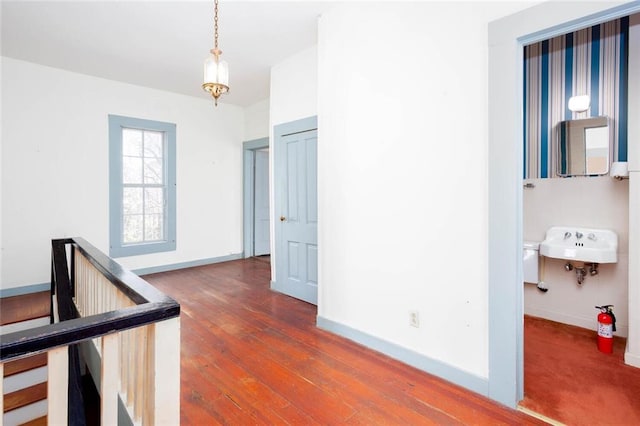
pixel 26 289
pixel 437 368
pixel 183 265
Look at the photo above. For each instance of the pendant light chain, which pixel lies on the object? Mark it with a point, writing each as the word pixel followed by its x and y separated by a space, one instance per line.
pixel 215 25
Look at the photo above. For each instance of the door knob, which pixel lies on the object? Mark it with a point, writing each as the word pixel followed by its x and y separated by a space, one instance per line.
pixel 282 218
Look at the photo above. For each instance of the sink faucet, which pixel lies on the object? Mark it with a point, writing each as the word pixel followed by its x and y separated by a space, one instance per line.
pixel 579 234
pixel 567 235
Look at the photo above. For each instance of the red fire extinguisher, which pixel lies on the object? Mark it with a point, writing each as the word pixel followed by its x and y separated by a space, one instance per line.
pixel 606 327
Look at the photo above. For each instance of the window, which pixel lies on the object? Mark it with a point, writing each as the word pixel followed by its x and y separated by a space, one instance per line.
pixel 142 188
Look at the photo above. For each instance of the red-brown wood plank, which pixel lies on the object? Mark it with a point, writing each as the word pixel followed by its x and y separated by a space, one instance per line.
pixel 25 307
pixel 254 356
pixel 40 421
pixel 25 364
pixel 25 396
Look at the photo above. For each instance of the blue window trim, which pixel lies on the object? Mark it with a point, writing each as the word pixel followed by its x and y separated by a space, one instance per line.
pixel 116 247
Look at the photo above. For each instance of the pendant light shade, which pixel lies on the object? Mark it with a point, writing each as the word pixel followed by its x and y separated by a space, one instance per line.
pixel 216 71
pixel 216 75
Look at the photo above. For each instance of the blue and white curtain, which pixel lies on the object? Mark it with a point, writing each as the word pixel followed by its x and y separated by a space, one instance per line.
pixel 592 61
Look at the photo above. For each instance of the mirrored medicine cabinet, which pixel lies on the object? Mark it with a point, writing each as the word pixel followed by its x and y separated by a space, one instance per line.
pixel 584 147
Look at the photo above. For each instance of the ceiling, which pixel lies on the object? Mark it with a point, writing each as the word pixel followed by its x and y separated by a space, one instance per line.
pixel 161 44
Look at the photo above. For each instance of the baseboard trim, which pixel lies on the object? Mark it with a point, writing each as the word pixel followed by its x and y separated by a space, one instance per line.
pixel 587 323
pixel 26 289
pixel 275 286
pixel 631 358
pixel 189 264
pixel 539 416
pixel 429 365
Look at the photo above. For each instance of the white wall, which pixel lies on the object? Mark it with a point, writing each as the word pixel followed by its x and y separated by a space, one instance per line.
pixel 256 121
pixel 55 167
pixel 590 202
pixel 294 87
pixel 403 175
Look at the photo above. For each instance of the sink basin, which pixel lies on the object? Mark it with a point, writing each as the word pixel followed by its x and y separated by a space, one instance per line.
pixel 580 244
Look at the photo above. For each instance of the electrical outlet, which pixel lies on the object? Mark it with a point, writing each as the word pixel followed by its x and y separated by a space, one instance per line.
pixel 414 319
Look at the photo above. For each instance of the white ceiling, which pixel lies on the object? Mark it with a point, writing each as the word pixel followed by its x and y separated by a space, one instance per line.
pixel 161 44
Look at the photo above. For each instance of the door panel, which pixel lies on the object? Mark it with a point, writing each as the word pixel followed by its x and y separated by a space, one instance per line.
pixel 312 264
pixel 293 250
pixel 296 208
pixel 292 181
pixel 312 180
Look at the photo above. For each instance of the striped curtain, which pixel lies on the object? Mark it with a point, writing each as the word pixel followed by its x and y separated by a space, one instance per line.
pixel 592 61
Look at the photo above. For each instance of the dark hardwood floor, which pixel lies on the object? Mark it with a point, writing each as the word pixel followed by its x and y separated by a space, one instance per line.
pixel 253 356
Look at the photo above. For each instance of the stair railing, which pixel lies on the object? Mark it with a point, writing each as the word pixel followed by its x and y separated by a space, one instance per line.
pixel 127 331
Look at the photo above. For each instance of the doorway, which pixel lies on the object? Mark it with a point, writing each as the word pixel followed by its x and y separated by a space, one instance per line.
pixel 559 313
pixel 256 221
pixel 507 37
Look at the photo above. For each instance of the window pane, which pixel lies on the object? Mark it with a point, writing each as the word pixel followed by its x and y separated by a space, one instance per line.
pixel 131 170
pixel 153 227
pixel 153 144
pixel 154 200
pixel 132 201
pixel 132 142
pixel 153 171
pixel 132 232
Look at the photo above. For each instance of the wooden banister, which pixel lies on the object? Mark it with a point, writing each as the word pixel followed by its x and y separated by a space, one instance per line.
pixel 23 343
pixel 151 306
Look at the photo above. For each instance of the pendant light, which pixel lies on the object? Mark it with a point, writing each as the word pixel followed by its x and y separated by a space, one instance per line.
pixel 216 72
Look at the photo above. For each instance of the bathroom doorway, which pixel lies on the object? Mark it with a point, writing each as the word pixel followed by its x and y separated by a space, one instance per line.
pixel 559 338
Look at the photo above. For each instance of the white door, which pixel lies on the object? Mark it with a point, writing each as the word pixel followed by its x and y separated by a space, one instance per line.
pixel 296 215
pixel 261 204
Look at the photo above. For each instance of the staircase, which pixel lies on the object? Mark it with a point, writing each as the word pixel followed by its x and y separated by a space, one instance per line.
pixel 24 384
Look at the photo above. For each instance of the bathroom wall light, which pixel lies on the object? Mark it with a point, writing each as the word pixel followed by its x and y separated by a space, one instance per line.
pixel 619 170
pixel 579 103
